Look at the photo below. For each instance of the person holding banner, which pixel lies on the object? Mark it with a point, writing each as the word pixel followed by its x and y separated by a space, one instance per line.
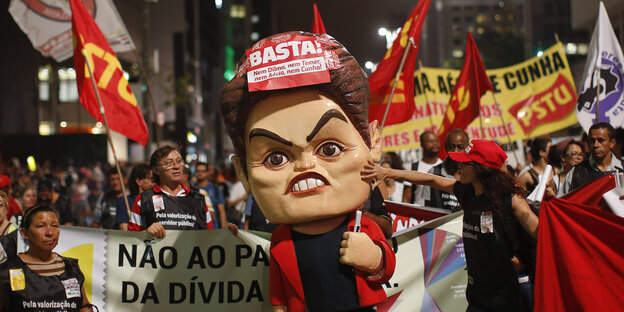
pixel 40 277
pixel 170 205
pixel 495 213
pixel 297 114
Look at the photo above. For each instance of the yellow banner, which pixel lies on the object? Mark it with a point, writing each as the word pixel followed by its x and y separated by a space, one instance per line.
pixel 536 96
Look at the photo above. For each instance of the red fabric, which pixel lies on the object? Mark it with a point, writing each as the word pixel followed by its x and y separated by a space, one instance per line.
pixel 382 79
pixel 591 193
pixel 471 84
pixel 14 208
pixel 580 258
pixel 317 25
pixel 122 112
pixel 285 287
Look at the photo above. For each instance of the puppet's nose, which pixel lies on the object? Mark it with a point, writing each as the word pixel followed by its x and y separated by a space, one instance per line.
pixel 305 162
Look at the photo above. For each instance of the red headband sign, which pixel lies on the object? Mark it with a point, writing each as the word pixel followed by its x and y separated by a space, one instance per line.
pixel 288 61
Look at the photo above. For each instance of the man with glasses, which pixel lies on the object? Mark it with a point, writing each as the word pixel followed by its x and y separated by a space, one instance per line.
pixel 601 161
pixel 456 141
pixel 170 205
pixel 430 144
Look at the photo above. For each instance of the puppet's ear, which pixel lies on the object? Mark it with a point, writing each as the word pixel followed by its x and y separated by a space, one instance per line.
pixel 375 137
pixel 240 173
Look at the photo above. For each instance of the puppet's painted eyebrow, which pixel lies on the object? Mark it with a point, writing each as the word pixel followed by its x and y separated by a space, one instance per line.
pixel 266 133
pixel 332 113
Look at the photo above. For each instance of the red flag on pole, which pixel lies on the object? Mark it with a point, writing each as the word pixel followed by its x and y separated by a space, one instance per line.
pixel 471 84
pixel 382 80
pixel 317 25
pixel 120 105
pixel 580 257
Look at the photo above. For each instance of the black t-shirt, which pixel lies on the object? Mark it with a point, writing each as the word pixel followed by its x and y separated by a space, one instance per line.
pixel 8 248
pixel 109 210
pixel 328 285
pixel 492 280
pixel 63 207
pixel 375 204
pixel 60 293
pixel 174 212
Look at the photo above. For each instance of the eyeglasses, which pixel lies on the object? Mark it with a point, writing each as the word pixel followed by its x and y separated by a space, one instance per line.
pixel 170 163
pixel 574 154
pixel 451 146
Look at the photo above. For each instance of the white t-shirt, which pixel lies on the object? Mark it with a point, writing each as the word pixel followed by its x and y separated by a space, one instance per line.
pixel 237 191
pixel 397 195
pixel 418 194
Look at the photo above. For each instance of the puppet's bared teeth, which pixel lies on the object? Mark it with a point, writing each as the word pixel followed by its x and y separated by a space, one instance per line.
pixel 306 184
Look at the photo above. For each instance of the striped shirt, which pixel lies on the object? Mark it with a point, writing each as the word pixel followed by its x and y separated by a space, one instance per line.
pixel 54 267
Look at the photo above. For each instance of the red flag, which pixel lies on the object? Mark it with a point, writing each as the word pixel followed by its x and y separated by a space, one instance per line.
pixel 580 257
pixel 593 198
pixel 382 80
pixel 120 106
pixel 471 84
pixel 317 25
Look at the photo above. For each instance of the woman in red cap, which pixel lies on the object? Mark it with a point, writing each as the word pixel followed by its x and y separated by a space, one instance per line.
pixel 495 213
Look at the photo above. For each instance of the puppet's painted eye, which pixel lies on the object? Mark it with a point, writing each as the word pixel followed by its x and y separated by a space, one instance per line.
pixel 330 149
pixel 276 159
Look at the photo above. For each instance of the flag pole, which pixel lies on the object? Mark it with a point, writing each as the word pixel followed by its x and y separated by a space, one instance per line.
pixel 505 127
pixel 598 67
pixel 481 121
pixel 110 141
pixel 396 80
pixel 149 94
pixel 427 99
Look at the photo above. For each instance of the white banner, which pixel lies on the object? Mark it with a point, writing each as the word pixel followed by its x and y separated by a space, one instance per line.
pixel 604 66
pixel 48 25
pixel 217 271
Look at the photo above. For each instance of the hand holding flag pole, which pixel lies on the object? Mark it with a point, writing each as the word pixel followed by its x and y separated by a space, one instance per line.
pixel 110 141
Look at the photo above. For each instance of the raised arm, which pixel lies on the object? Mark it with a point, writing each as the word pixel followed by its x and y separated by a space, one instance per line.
pixel 372 171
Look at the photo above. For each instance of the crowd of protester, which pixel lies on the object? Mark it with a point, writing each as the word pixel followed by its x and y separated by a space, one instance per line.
pixel 91 195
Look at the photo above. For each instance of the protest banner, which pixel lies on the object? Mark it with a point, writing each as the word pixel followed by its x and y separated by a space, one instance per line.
pixel 217 271
pixel 48 25
pixel 536 97
pixel 604 75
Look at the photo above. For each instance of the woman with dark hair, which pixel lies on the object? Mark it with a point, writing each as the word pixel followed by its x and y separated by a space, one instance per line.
pixel 573 154
pixel 140 180
pixel 495 213
pixel 40 275
pixel 539 152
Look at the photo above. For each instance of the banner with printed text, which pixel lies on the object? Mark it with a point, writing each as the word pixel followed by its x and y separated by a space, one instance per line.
pixel 217 271
pixel 536 97
pixel 48 25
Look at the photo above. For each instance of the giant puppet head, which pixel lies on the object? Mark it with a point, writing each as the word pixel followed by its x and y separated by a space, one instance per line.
pixel 297 114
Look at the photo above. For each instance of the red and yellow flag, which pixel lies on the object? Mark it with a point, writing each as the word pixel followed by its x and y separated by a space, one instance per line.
pixel 382 80
pixel 120 105
pixel 471 84
pixel 317 25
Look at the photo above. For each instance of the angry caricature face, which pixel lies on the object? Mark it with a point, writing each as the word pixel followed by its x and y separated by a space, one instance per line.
pixel 304 158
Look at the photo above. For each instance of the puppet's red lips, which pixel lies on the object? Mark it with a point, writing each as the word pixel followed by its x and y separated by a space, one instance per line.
pixel 306 182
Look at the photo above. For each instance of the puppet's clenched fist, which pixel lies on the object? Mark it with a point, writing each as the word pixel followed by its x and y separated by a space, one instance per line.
pixel 359 251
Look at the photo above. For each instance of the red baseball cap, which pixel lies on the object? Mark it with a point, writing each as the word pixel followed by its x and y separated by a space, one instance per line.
pixel 4 180
pixel 485 152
